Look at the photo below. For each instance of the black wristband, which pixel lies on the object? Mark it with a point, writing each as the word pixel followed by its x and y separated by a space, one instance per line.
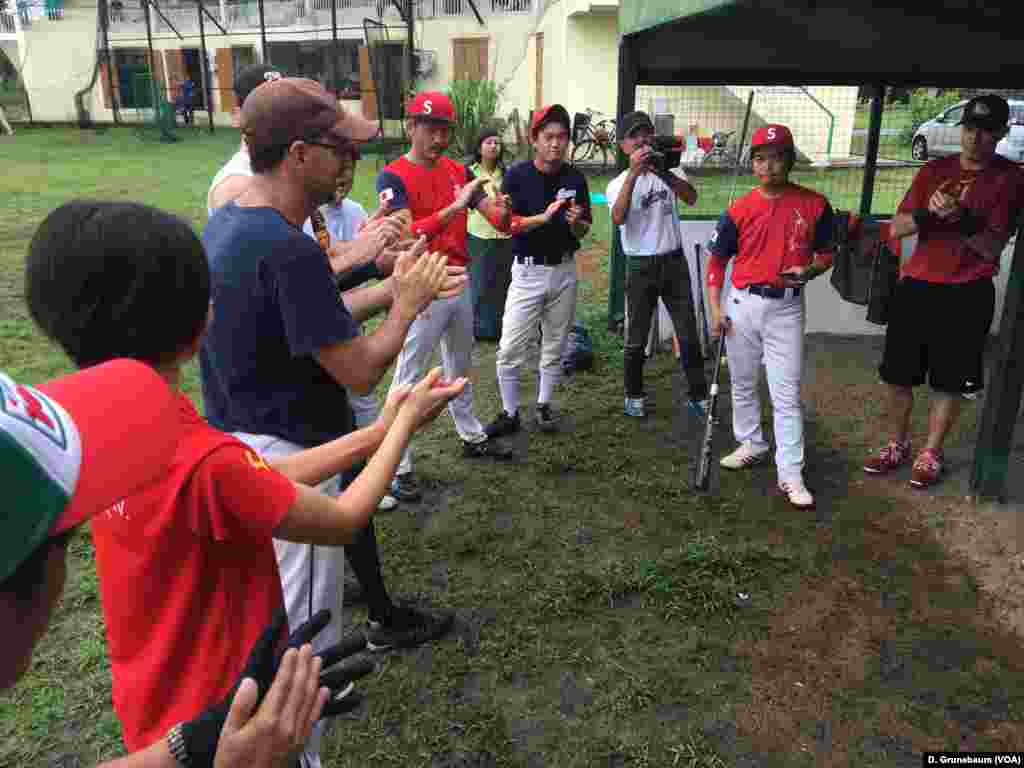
pixel 923 219
pixel 352 278
pixel 970 223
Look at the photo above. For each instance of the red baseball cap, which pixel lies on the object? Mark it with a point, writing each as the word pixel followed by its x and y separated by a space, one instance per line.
pixel 549 113
pixel 432 105
pixel 772 134
pixel 286 109
pixel 74 446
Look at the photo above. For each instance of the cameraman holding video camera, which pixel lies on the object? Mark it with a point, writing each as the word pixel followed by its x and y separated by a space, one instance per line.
pixel 643 203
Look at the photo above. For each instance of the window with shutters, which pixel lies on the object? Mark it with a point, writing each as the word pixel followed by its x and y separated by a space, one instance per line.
pixel 469 58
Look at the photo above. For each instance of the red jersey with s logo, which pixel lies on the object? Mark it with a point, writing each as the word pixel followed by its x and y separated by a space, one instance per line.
pixel 766 235
pixel 425 191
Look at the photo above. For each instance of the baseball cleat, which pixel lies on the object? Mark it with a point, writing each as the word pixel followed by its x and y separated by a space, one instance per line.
pixel 408 627
pixel 797 493
pixel 406 487
pixel 485 449
pixel 547 420
pixel 744 456
pixel 503 425
pixel 635 407
pixel 888 458
pixel 927 468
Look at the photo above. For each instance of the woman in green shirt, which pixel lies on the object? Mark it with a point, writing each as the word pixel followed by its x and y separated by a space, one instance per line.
pixel 490 251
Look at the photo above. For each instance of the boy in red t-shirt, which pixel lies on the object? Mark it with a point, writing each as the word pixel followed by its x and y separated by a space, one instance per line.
pixel 64 459
pixel 780 236
pixel 188 576
pixel 963 210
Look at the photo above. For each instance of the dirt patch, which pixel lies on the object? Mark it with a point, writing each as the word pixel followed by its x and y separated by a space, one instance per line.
pixel 588 266
pixel 988 538
pixel 822 640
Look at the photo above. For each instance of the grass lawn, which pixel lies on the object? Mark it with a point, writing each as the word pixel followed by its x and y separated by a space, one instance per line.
pixel 607 616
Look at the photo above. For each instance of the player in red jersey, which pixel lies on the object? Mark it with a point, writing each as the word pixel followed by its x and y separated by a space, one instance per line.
pixel 780 236
pixel 432 194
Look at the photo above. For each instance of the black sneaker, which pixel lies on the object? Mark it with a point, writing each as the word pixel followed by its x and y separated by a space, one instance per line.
pixel 546 418
pixel 487 449
pixel 408 628
pixel 406 487
pixel 503 425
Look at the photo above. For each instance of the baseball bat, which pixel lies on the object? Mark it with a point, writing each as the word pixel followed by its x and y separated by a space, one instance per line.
pixel 703 479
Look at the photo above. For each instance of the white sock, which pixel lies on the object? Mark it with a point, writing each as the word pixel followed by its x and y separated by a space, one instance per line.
pixel 547 388
pixel 509 396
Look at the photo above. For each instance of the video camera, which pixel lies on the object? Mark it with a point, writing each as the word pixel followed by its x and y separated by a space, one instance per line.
pixel 666 152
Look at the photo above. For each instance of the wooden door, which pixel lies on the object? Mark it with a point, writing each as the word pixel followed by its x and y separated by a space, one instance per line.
pixel 469 58
pixel 367 88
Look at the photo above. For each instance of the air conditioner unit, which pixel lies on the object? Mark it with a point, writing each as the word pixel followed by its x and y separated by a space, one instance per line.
pixel 424 62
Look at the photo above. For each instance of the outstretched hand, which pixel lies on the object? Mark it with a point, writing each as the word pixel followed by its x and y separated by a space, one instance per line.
pixel 299 692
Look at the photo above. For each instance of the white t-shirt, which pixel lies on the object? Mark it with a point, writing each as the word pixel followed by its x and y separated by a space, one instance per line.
pixel 652 226
pixel 238 165
pixel 342 221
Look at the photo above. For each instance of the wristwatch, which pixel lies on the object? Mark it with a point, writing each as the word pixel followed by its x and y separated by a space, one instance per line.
pixel 176 745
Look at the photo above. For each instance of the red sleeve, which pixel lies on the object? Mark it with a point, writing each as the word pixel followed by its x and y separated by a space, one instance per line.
pixel 236 494
pixel 918 194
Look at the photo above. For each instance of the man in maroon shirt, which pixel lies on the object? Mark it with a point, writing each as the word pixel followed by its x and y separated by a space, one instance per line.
pixel 963 210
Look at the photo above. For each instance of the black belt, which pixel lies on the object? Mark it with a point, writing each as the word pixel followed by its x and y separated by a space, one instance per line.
pixel 772 292
pixel 544 261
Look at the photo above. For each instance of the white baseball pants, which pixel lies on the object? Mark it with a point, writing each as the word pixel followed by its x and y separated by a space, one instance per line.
pixel 769 332
pixel 538 294
pixel 312 577
pixel 450 322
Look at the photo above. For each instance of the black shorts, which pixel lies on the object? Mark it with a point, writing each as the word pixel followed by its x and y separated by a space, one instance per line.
pixel 939 331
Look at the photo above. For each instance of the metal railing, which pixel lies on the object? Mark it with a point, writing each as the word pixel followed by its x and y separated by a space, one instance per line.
pixel 7 23
pixel 127 17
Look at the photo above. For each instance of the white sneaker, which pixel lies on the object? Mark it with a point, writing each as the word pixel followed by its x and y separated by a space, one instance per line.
pixel 744 456
pixel 798 494
pixel 387 503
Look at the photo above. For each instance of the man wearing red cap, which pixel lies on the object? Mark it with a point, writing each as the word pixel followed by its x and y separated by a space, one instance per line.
pixel 963 210
pixel 433 194
pixel 550 205
pixel 780 236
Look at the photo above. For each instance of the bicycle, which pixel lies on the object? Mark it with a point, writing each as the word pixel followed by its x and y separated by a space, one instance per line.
pixel 589 138
pixel 720 152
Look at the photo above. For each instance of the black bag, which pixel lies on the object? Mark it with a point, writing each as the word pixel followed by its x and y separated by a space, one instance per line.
pixel 579 351
pixel 865 270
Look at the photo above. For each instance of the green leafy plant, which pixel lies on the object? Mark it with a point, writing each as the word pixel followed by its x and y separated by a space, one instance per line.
pixel 476 103
pixel 923 108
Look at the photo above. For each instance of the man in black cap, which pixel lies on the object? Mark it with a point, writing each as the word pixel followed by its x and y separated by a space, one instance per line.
pixel 643 203
pixel 963 209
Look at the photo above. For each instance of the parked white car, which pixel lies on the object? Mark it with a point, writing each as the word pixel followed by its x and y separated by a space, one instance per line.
pixel 940 136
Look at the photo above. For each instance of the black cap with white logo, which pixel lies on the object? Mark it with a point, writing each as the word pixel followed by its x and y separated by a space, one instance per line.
pixel 990 112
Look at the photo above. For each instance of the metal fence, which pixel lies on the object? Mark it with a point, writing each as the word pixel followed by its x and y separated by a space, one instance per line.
pixel 830 128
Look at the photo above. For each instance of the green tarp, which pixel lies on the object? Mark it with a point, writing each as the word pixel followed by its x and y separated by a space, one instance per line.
pixel 636 15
